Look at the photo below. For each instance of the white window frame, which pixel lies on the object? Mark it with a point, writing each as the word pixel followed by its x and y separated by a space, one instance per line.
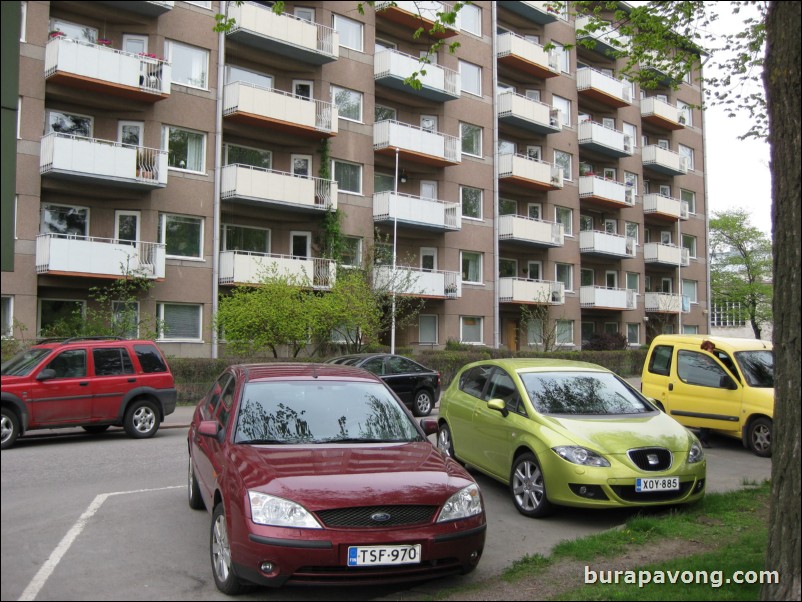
pixel 49 128
pixel 164 336
pixel 433 317
pixel 569 286
pixel 335 90
pixel 691 249
pixel 568 228
pixel 7 325
pixel 225 244
pixel 568 168
pixel 462 320
pixel 564 106
pixel 691 202
pixel 338 21
pixel 462 190
pixel 636 277
pixel 690 289
pixel 636 327
pixel 687 151
pixel 560 337
pixel 81 302
pixel 686 113
pixel 341 188
pixel 479 129
pixel 170 46
pixel 469 20
pixel 166 129
pixel 537 264
pixel 470 78
pixel 479 262
pixel 164 217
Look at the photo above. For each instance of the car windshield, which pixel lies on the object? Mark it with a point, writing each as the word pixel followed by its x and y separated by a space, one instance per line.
pixel 758 367
pixel 322 412
pixel 25 361
pixel 582 393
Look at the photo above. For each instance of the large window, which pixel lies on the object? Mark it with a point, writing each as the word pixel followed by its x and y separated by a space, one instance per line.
pixel 427 329
pixel 55 311
pixel 348 103
pixel 564 272
pixel 352 251
pixel 564 160
pixel 688 197
pixel 471 329
pixel 182 235
pixel 633 333
pixel 470 78
pixel 348 176
pixel 238 74
pixel 74 30
pixel 471 202
pixel 190 65
pixel 687 152
pixel 248 156
pixel 565 216
pixel 68 123
pixel 472 267
pixel 471 136
pixel 563 57
pixel 350 32
pixel 633 282
pixel 185 149
pixel 469 19
pixel 242 238
pixel 631 230
pixel 685 113
pixel 179 321
pixel 689 242
pixel 564 105
pixel 64 219
pixel 564 334
pixel 382 113
pixel 689 290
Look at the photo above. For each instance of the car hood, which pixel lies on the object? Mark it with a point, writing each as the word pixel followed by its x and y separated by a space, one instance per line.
pixel 326 476
pixel 616 435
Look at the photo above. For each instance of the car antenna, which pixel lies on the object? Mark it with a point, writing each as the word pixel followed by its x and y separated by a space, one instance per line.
pixel 314 371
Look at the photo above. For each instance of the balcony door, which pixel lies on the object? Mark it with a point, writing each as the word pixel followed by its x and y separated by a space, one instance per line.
pixel 303 88
pixel 131 132
pixel 300 245
pixel 428 189
pixel 428 259
pixel 126 226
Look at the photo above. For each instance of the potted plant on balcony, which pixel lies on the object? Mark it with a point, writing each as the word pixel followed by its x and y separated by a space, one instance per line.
pixel 56 33
pixel 144 164
pixel 451 288
pixel 104 42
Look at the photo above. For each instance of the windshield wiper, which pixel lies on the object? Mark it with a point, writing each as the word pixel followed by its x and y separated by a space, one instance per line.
pixel 267 441
pixel 359 440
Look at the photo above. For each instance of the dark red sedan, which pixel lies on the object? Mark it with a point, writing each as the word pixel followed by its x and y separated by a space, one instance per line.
pixel 316 474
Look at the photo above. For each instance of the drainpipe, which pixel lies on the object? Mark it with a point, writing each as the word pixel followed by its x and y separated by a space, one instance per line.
pixel 218 161
pixel 496 309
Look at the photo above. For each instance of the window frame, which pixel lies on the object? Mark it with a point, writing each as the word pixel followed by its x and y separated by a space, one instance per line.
pixel 335 163
pixel 162 237
pixel 478 146
pixel 335 90
pixel 162 321
pixel 480 202
pixel 166 131
pixel 170 46
pixel 478 258
pixel 344 38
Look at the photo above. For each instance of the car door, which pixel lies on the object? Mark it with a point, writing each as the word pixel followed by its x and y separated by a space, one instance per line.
pixel 403 376
pixel 114 377
pixel 460 410
pixel 67 397
pixel 698 393
pixel 206 450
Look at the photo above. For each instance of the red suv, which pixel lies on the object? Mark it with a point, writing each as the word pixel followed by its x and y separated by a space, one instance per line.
pixel 93 382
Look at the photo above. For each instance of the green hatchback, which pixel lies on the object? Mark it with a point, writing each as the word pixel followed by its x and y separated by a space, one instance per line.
pixel 568 433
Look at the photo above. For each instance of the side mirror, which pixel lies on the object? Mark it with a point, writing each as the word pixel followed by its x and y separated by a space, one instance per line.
pixel 46 374
pixel 210 428
pixel 727 382
pixel 429 425
pixel 499 406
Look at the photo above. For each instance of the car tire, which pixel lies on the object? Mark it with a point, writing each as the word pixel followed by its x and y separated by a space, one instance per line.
pixel 220 554
pixel 445 442
pixel 96 429
pixel 528 487
pixel 194 496
pixel 422 403
pixel 141 419
pixel 10 428
pixel 759 436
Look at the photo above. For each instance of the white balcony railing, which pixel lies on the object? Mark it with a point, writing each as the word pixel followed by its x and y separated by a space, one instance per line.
pixel 603 139
pixel 603 189
pixel 527 55
pixel 93 256
pixel 529 114
pixel 663 302
pixel 658 204
pixel 524 290
pixel 606 243
pixel 665 254
pixel 245 182
pixel 658 111
pixel 278 106
pixel 118 68
pixel 526 229
pixel 417 141
pixel 414 210
pixel 603 87
pixel 530 172
pixel 607 40
pixel 538 12
pixel 664 160
pixel 102 160
pixel 418 282
pixel 241 267
pixel 393 68
pixel 607 298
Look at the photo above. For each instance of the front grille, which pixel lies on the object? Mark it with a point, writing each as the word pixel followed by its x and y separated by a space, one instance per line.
pixel 651 458
pixel 363 516
pixel 628 493
pixel 318 575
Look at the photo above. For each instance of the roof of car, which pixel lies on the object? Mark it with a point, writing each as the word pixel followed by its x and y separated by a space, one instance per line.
pixel 724 343
pixel 302 371
pixel 534 364
pixel 93 340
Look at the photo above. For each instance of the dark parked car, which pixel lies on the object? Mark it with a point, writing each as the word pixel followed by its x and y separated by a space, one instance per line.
pixel 92 382
pixel 316 474
pixel 416 385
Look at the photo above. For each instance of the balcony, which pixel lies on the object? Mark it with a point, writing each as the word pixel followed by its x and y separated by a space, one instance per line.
pixel 146 9
pixel 268 188
pixel 662 254
pixel 525 56
pixel 416 144
pixel 604 192
pixel 105 162
pixel 392 68
pixel 267 108
pixel 416 14
pixel 416 212
pixel 598 86
pixel 603 40
pixel 664 207
pixel 534 292
pixel 601 139
pixel 283 34
pixel 89 256
pixel 106 71
pixel 529 231
pixel 417 282
pixel 661 114
pixel 600 297
pixel 664 161
pixel 667 303
pixel 537 12
pixel 606 244
pixel 529 173
pixel 527 114
pixel 242 267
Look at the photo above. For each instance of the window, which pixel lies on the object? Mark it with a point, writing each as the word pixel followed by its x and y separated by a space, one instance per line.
pixel 633 333
pixel 348 176
pixel 633 282
pixel 182 235
pixel 348 103
pixel 631 231
pixel 238 74
pixel 7 321
pixel 689 242
pixel 112 361
pixel 65 219
pixel 470 78
pixel 564 160
pixel 688 197
pixel 507 268
pixel 427 329
pixel 190 64
pixel 563 57
pixel 564 334
pixel 352 251
pixel 534 210
pixel 586 331
pixel 185 149
pixel 471 136
pixel 611 327
pixel 469 19
pixel 689 290
pixel 125 315
pixel 534 332
pixel 585 223
pixel 586 277
pixel 471 329
pixel 688 329
pixel 179 321
pixel 534 269
pixel 242 238
pixel 23 19
pixel 564 273
pixel 631 131
pixel 695 368
pixel 59 311
pixel 471 202
pixel 564 105
pixel 685 113
pixel 687 152
pixel 350 32
pixel 305 14
pixel 383 182
pixel 248 156
pixel 507 207
pixel 381 113
pixel 207 5
pixel 74 30
pixel 68 123
pixel 565 216
pixel 472 267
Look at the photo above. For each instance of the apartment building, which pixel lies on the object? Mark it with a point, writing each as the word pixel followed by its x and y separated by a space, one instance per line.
pixel 514 177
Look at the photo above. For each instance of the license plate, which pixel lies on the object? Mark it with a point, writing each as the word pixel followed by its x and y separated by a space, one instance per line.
pixel 383 555
pixel 667 484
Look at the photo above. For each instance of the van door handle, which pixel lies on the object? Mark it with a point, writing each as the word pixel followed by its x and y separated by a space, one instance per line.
pixel 670 386
pixel 131 380
pixel 84 383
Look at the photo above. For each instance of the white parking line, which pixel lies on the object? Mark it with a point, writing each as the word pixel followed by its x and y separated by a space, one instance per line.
pixel 38 581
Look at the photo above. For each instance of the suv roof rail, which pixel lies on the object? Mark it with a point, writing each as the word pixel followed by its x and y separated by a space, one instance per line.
pixel 65 340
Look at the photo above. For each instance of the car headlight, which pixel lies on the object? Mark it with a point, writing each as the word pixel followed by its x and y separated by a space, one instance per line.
pixel 466 502
pixel 278 512
pixel 695 454
pixel 580 455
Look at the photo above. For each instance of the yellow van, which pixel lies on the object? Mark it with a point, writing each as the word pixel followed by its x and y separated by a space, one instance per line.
pixel 717 383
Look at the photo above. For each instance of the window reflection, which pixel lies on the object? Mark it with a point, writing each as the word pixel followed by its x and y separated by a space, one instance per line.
pixel 582 394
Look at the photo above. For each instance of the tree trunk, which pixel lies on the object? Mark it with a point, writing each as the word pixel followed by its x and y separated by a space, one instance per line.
pixel 781 77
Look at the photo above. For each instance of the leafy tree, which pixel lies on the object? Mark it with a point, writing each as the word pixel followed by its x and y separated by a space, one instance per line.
pixel 740 266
